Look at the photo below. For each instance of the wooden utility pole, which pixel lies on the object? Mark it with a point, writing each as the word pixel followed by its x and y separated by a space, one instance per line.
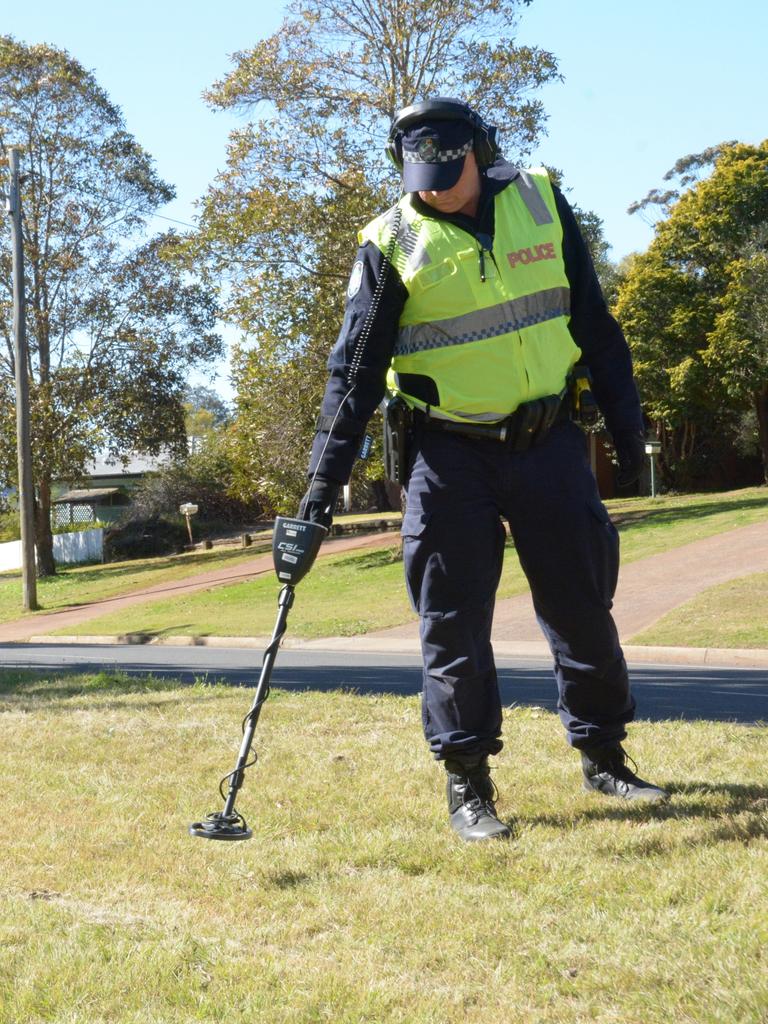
pixel 23 445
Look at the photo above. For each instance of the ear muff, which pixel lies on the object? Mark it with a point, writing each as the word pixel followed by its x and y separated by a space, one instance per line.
pixel 393 147
pixel 484 144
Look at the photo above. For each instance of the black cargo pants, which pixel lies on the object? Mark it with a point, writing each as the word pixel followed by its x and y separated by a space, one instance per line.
pixel 453 542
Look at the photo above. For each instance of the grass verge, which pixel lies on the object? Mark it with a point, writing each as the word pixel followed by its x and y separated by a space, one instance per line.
pixel 649 526
pixel 87 583
pixel 733 614
pixel 353 903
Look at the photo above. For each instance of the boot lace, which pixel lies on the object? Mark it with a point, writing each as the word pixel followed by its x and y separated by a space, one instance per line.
pixel 618 766
pixel 479 804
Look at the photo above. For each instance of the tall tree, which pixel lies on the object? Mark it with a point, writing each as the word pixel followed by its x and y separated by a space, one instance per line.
pixel 206 415
pixel 692 306
pixel 113 327
pixel 278 224
pixel 738 344
pixel 199 399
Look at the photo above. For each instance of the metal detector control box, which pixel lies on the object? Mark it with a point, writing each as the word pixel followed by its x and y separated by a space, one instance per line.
pixel 295 543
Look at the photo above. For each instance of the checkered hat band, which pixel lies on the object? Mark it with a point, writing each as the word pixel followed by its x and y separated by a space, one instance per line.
pixel 445 156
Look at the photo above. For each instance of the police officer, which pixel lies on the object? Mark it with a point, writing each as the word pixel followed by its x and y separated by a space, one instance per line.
pixel 472 299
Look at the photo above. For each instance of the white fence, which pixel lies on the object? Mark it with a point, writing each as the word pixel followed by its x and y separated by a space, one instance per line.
pixel 68 548
pixel 10 555
pixel 85 546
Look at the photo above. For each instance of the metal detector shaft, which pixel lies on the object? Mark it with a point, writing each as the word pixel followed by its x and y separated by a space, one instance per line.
pixel 284 602
pixel 295 544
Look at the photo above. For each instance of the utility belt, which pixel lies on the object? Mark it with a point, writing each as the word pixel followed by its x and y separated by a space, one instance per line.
pixel 527 426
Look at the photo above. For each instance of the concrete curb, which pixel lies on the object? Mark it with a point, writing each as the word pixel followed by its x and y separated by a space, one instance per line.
pixel 709 656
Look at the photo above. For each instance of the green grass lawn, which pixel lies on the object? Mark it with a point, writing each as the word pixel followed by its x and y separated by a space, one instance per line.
pixel 356 593
pixel 354 903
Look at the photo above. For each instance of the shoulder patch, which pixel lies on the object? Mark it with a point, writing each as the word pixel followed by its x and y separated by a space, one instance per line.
pixel 355 280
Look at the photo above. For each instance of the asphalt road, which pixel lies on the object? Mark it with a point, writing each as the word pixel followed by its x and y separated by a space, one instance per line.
pixel 662 692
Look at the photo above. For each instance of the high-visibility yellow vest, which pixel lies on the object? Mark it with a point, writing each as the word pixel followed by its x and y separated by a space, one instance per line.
pixel 491 344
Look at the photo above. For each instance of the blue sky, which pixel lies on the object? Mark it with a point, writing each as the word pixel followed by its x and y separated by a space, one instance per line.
pixel 645 83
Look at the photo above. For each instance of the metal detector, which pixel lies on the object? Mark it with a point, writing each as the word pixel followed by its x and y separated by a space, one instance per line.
pixel 295 543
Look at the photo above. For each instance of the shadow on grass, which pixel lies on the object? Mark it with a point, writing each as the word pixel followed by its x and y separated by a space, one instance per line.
pixel 139 638
pixel 117 570
pixel 740 808
pixel 362 560
pixel 182 584
pixel 687 513
pixel 58 691
pixel 287 879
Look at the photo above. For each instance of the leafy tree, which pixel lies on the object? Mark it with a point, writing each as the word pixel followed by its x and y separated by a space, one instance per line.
pixel 205 478
pixel 738 344
pixel 205 413
pixel 277 225
pixel 591 227
pixel 200 398
pixel 113 327
pixel 693 307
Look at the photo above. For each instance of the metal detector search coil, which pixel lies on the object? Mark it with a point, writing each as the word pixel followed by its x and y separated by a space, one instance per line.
pixel 295 544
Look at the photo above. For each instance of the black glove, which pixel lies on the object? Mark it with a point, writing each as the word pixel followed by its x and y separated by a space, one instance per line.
pixel 630 454
pixel 318 503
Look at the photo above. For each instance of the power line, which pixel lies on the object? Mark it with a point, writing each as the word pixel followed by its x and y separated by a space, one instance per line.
pixel 173 220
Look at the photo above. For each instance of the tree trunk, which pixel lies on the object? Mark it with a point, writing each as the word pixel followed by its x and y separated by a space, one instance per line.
pixel 43 533
pixel 667 452
pixel 761 408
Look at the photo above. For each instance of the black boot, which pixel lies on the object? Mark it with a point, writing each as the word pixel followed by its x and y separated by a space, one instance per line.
pixel 606 770
pixel 471 796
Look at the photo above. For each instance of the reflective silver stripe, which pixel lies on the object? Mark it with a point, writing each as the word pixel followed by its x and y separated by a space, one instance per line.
pixel 485 323
pixel 414 248
pixel 533 199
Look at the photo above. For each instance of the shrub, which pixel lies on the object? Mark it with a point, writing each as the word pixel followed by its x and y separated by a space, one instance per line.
pixel 153 524
pixel 144 538
pixel 204 478
pixel 10 528
pixel 94 524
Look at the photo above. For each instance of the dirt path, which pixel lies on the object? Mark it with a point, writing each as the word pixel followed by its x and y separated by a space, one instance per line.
pixel 649 587
pixel 46 622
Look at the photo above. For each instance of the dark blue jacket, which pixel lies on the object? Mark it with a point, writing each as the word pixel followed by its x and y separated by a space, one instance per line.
pixel 604 348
